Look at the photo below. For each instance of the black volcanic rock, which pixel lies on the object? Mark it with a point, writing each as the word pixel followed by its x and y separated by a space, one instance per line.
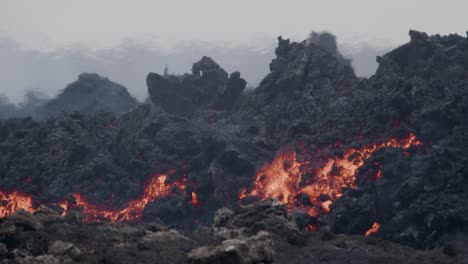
pixel 266 215
pixel 227 97
pixel 207 87
pixel 293 99
pixel 72 148
pixel 200 126
pixel 91 93
pixel 59 240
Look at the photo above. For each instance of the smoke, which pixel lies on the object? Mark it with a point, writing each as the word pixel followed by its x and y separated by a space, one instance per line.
pixel 325 39
pixel 363 56
pixel 30 76
pixel 128 64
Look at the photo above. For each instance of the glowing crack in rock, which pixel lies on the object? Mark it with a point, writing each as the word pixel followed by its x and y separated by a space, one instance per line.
pixel 194 201
pixel 156 188
pixel 373 230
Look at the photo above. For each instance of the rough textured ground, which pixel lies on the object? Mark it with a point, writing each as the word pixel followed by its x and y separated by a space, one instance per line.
pixel 45 237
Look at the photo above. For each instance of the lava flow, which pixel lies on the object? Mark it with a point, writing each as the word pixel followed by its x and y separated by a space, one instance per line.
pixel 11 202
pixel 289 179
pixel 194 201
pixel 156 188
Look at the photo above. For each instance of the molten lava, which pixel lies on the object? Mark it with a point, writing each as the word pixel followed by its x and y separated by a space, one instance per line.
pixel 157 187
pixel 374 229
pixel 320 180
pixel 304 181
pixel 11 202
pixel 326 206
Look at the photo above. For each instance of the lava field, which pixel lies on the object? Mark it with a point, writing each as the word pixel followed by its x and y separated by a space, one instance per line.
pixel 315 165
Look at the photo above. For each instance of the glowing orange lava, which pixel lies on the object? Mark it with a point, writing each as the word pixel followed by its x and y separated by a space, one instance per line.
pixel 156 189
pixel 374 229
pixel 11 202
pixel 286 177
pixel 194 201
pixel 306 182
pixel 326 206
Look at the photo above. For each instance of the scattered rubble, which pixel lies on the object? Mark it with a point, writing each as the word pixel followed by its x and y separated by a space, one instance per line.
pixel 60 241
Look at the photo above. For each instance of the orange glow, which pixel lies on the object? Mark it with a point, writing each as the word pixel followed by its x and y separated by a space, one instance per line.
pixel 156 189
pixel 326 206
pixel 280 179
pixel 64 205
pixel 194 201
pixel 312 228
pixel 287 177
pixel 379 169
pixel 374 229
pixel 11 202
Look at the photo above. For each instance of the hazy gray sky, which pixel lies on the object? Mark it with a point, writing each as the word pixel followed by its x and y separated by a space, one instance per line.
pixel 108 26
pixel 103 23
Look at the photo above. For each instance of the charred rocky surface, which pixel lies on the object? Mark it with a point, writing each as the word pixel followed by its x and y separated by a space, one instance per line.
pixel 47 237
pixel 305 82
pixel 203 128
pixel 209 87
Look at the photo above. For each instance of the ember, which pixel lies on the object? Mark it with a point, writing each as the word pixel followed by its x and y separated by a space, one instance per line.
pixel 312 227
pixel 194 201
pixel 374 229
pixel 285 178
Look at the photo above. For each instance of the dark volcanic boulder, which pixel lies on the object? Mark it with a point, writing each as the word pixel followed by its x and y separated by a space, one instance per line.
pixel 227 97
pixel 208 86
pixel 294 98
pixel 254 249
pixel 91 93
pixel 266 215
